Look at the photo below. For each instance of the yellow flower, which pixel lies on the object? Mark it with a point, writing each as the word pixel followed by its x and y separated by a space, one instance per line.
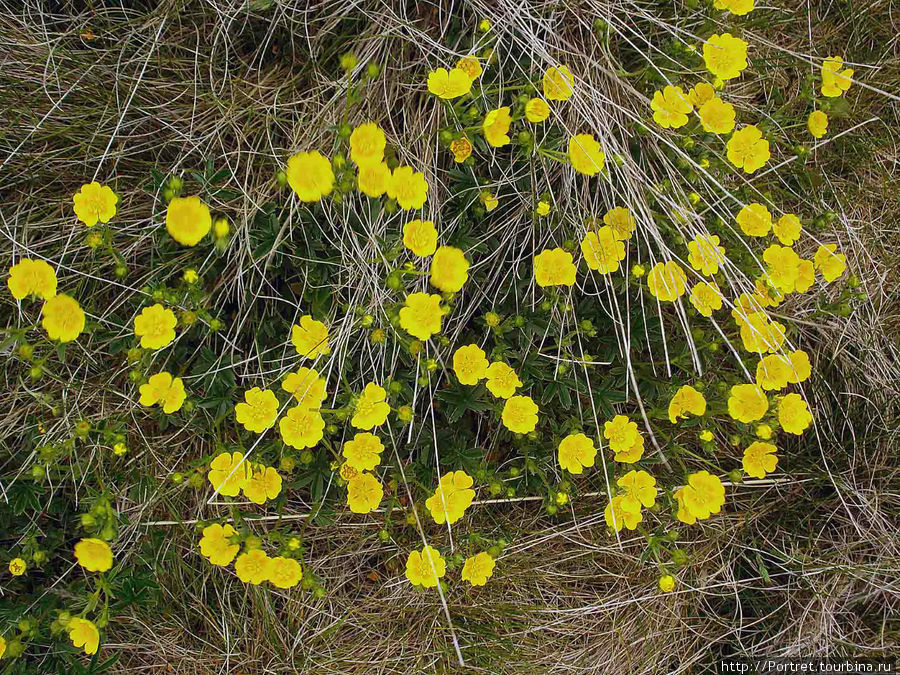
pixel 449 84
pixel 559 84
pixel 310 337
pixel 773 372
pixel 683 514
pixel 471 65
pixel 632 454
pixel 700 93
pixel 520 414
pixel 640 490
pixel 221 228
pixel 706 298
pixel 452 497
pixel 620 220
pixel 703 495
pixel 834 80
pixel 31 277
pixel 705 254
pixel 543 208
pixel 420 237
pixel 363 451
pixel 364 493
pixel 575 452
pixel 603 250
pixel 367 144
pixel 421 315
pixel 747 403
pixel 736 7
pixel 670 107
pixel 496 127
pixel 371 409
pixel 806 276
pixel 285 572
pixel 17 568
pixel 489 200
pixel 764 431
pixel 425 567
pixel 554 268
pixel 478 569
pixel 470 364
pixel 667 281
pixel 190 276
pixel 621 433
pixel 253 566
pixel 585 155
pixel 706 435
pixel 667 581
pixel 793 414
pixel 264 483
pixel 307 388
pixel 449 269
pixel 94 555
pixel 748 149
pixel 817 123
pixel 215 544
pixel 84 634
pixel 164 389
pixel 408 187
pixel 760 334
pixel 63 318
pixel 725 56
pixel 155 326
pixel 828 262
pixel 310 175
pixel 536 110
pixel 95 202
pixel 787 229
pixel 188 220
pixel 716 116
pixel 258 410
pixel 800 368
pixel 686 400
pixel 759 459
pixel 228 473
pixel 461 149
pixel 502 380
pixel 301 427
pixel 783 268
pixel 754 220
pixel 373 179
pixel 617 518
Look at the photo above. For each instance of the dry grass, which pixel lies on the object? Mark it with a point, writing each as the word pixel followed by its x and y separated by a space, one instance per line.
pixel 807 566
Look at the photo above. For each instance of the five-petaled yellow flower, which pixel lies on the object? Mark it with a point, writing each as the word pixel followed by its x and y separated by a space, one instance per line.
pixel 747 403
pixel 759 459
pixel 670 107
pixel 536 110
pixel 817 123
pixel 667 281
pixel 747 149
pixel 639 489
pixel 686 400
pixel 84 634
pixel 301 427
pixel 520 414
pixel 364 493
pixel 258 410
pixel 554 267
pixel 755 220
pixel 502 380
pixel 585 155
pixel 310 337
pixel 31 277
pixel 62 318
pixel 228 473
pixel 834 80
pixel 284 572
pixel 575 452
pixel 449 269
pixel 449 84
pixel 420 237
pixel 793 414
pixel 478 569
pixel 94 555
pixel 363 451
pixel 452 497
pixel 603 250
pixel 470 364
pixel 558 83
pixel 496 127
pixel 155 326
pixel 310 175
pixel 307 388
pixel 830 263
pixel 95 203
pixel 216 546
pixel 616 517
pixel 371 409
pixel 367 144
pixel 425 567
pixel 188 220
pixel 725 56
pixel 264 483
pixel 408 187
pixel 165 390
pixel 421 315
